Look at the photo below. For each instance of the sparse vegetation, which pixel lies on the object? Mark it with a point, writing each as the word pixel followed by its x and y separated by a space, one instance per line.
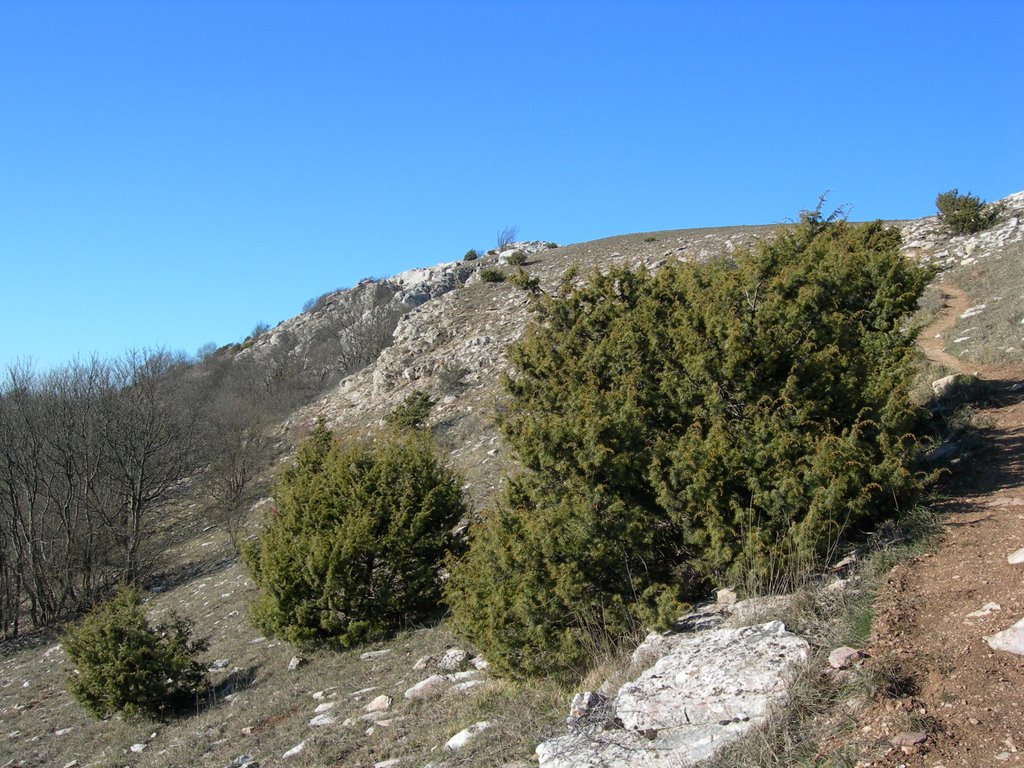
pixel 966 214
pixel 517 258
pixel 521 279
pixel 124 665
pixel 492 275
pixel 707 424
pixel 353 549
pixel 506 237
pixel 471 255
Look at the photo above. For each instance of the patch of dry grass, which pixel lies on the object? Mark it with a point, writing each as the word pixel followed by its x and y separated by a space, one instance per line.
pixel 994 332
pixel 257 707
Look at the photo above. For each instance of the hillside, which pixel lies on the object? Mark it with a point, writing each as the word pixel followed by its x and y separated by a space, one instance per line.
pixel 445 330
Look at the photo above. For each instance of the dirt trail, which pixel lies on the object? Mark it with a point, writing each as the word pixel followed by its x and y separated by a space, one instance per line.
pixel 968 698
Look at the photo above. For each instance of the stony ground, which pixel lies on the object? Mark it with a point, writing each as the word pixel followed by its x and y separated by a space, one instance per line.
pixel 964 699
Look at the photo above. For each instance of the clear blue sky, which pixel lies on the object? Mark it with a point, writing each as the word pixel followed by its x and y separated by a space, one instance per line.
pixel 173 172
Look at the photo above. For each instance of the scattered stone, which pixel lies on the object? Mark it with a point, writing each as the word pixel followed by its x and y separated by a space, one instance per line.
pixel 64 731
pixel 71 764
pixel 321 720
pixel 909 739
pixel 452 660
pixel 971 312
pixel 838 585
pixel 137 747
pixel 1016 558
pixel 427 688
pixel 388 763
pixel 218 665
pixel 726 596
pixel 941 454
pixel 362 692
pixel 243 761
pixel 379 704
pixel 466 686
pixel 986 610
pixel 481 664
pixel 295 663
pixel 463 737
pixel 844 657
pixel 370 655
pixel 947 385
pixel 297 749
pixel 847 562
pixel 327 706
pixel 423 662
pixel 326 693
pixel 583 704
pixel 1010 640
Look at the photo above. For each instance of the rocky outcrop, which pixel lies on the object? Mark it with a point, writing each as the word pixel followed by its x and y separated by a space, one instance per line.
pixel 707 689
pixel 926 238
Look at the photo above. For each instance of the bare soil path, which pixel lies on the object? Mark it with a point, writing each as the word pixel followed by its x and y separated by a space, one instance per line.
pixel 932 621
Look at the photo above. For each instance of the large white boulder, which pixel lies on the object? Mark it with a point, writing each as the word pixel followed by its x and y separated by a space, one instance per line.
pixel 707 690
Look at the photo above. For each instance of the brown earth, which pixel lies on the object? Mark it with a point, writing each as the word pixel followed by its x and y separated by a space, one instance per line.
pixel 944 679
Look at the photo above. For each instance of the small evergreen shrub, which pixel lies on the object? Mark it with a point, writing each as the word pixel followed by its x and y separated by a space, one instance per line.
pixel 517 258
pixel 492 275
pixel 353 548
pixel 122 664
pixel 716 423
pixel 966 214
pixel 521 279
pixel 413 412
pixel 471 255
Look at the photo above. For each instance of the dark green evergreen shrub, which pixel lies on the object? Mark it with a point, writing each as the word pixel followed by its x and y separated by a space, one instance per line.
pixel 719 423
pixel 471 255
pixel 517 258
pixel 521 279
pixel 966 214
pixel 413 412
pixel 492 275
pixel 353 547
pixel 122 664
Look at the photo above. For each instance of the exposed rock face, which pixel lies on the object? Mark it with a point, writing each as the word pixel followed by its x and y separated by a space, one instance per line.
pixel 927 240
pixel 711 687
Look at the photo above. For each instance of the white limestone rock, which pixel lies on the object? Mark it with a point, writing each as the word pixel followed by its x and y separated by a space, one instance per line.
pixel 710 688
pixel 1010 640
pixel 379 704
pixel 296 750
pixel 453 659
pixel 466 735
pixel 427 688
